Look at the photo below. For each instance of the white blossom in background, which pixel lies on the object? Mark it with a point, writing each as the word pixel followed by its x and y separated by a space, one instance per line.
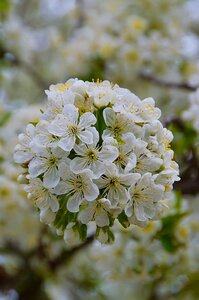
pixel 98 154
pixel 192 114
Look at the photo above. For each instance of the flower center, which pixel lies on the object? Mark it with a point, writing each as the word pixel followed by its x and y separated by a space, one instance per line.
pixel 120 159
pixel 92 155
pixel 52 160
pixel 73 129
pixel 114 182
pixel 78 184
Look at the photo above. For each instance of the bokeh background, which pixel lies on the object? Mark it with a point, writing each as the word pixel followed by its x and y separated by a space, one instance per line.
pixel 150 47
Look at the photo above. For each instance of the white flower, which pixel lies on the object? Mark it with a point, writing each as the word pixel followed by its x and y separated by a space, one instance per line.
pixel 43 136
pixel 92 157
pixel 43 198
pixel 170 172
pixel 23 152
pixel 68 126
pixel 146 161
pixel 102 93
pixel 116 124
pixel 126 159
pixel 157 137
pixel 148 111
pixel 143 196
pixel 98 211
pixel 115 185
pixel 125 101
pixel 60 92
pixel 58 96
pixel 46 162
pixel 138 111
pixel 76 187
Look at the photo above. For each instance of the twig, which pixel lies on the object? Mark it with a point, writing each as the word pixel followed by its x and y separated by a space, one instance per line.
pixel 16 61
pixel 187 187
pixel 68 254
pixel 175 85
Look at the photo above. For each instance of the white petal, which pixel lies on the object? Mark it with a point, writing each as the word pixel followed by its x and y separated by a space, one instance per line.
pixel 91 192
pixel 78 164
pixel 86 120
pixel 40 150
pixel 129 179
pixel 129 142
pixel 107 133
pixel 71 113
pixel 132 160
pixel 67 143
pixel 122 195
pixel 113 197
pixel 109 116
pixel 22 156
pixel 111 169
pixel 86 215
pixel 37 166
pixel 139 212
pixel 74 203
pixel 64 170
pixel 51 177
pixel 109 153
pixel 53 202
pixel 81 149
pixel 129 210
pixel 95 134
pixel 102 219
pixel 58 127
pixel 98 168
pixel 86 136
pixel 61 189
pixel 102 182
pixel 30 130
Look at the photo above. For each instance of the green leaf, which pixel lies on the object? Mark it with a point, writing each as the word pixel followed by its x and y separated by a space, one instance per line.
pixel 4 118
pixel 63 216
pixel 123 219
pixel 4 8
pixel 100 124
pixel 82 229
pixel 167 233
pixel 184 138
pixel 96 67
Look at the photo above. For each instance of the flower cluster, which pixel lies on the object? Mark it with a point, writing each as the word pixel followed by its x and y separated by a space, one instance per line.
pixel 98 154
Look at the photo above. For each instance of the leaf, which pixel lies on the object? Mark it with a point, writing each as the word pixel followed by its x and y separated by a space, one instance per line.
pixel 4 118
pixel 123 219
pixel 82 229
pixel 167 233
pixel 63 216
pixel 100 124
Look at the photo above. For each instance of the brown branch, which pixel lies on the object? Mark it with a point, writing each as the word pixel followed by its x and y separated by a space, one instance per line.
pixel 68 254
pixel 169 84
pixel 16 61
pixel 187 187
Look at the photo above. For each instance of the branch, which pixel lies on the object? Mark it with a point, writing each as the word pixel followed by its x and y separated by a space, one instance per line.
pixel 174 85
pixel 68 254
pixel 187 187
pixel 16 61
